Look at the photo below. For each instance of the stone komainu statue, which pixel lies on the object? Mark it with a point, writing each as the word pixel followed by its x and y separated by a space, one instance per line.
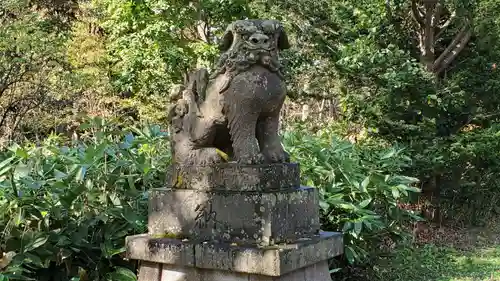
pixel 235 110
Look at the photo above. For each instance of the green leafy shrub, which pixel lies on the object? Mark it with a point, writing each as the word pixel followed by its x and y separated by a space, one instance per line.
pixel 466 166
pixel 66 207
pixel 361 188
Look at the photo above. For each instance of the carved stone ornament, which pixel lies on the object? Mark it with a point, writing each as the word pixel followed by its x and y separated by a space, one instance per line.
pixel 233 114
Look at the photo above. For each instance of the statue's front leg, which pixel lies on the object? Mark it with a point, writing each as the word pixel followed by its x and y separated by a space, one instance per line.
pixel 270 141
pixel 241 124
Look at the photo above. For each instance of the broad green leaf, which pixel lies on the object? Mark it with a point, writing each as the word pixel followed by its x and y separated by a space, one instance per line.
pixel 19 218
pixel 59 175
pixel 347 226
pixel 367 224
pixel 5 165
pixel 22 153
pixel 365 203
pixel 36 243
pixel 324 205
pixel 350 254
pixel 80 175
pixel 365 183
pixel 358 226
pixel 347 206
pixel 22 170
pixel 407 180
pixel 131 184
pixel 31 258
pixel 395 192
pixel 123 274
pixel 410 188
pixel 334 270
pixel 389 154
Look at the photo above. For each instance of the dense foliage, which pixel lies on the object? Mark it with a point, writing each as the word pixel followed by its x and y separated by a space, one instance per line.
pixel 66 208
pixel 404 84
pixel 361 186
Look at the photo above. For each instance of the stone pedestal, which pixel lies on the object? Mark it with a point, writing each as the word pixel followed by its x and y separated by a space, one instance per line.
pixel 235 222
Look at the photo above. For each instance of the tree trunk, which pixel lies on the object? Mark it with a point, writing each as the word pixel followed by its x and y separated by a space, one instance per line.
pixel 433 18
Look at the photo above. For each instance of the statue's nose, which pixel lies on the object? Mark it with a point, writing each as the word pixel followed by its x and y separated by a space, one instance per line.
pixel 259 39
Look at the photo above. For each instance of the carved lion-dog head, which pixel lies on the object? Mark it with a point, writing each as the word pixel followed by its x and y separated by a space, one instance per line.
pixel 266 35
pixel 247 42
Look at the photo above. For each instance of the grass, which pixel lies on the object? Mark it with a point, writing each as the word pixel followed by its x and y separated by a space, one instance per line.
pixel 467 256
pixel 441 263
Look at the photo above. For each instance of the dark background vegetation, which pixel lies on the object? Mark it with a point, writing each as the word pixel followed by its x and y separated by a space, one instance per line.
pixel 392 112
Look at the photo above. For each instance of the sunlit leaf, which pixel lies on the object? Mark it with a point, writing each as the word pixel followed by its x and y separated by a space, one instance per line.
pixel 365 183
pixel 80 175
pixel 358 226
pixel 36 243
pixel 365 203
pixel 123 274
pixel 22 170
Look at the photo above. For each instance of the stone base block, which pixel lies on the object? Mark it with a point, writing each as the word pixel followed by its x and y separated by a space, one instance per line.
pixel 164 272
pixel 236 177
pixel 269 218
pixel 276 261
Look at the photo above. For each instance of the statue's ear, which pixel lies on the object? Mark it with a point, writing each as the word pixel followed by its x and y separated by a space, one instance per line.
pixel 283 42
pixel 227 41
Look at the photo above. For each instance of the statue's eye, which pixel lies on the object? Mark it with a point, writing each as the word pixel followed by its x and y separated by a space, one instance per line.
pixel 269 33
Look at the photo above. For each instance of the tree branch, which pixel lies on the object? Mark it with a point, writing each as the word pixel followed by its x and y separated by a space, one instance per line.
pixel 447 23
pixel 436 15
pixel 416 13
pixel 456 51
pixel 202 25
pixel 5 114
pixel 456 45
pixel 388 10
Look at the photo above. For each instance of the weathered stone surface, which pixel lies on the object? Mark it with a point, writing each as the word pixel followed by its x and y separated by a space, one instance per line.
pixel 316 272
pixel 168 272
pixel 169 251
pixel 269 261
pixel 236 108
pixel 149 271
pixel 233 216
pixel 237 177
pixel 177 273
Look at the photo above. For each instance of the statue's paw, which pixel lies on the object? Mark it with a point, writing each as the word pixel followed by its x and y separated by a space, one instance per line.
pixel 207 156
pixel 251 159
pixel 278 156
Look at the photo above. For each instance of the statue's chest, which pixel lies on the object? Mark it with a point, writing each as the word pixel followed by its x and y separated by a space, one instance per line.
pixel 258 89
pixel 261 85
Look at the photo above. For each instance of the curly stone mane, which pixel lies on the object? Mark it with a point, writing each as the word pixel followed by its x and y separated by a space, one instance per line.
pixel 240 54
